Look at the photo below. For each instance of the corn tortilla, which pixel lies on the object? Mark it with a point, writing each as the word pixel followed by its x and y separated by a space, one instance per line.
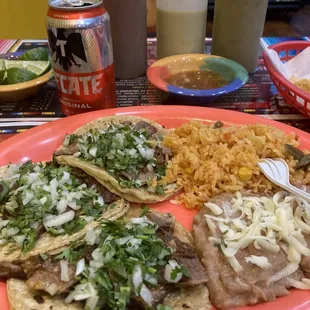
pixel 140 195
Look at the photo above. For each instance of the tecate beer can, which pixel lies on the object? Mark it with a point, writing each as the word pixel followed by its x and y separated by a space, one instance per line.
pixel 80 42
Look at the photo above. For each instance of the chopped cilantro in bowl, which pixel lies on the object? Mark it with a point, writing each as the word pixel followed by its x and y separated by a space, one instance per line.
pixel 35 198
pixel 132 154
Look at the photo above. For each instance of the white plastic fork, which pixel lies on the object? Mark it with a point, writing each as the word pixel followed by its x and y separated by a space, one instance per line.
pixel 277 171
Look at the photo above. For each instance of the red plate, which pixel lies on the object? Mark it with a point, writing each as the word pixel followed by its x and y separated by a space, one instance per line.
pixel 39 143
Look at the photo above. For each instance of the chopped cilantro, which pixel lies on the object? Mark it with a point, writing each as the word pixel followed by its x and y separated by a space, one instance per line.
pixel 72 138
pixel 160 190
pixel 145 210
pixel 72 255
pixel 26 199
pixel 121 247
pixel 163 307
pixel 44 256
pixel 30 240
pixel 4 190
pixel 121 151
pixel 161 170
pixel 74 226
pixel 179 269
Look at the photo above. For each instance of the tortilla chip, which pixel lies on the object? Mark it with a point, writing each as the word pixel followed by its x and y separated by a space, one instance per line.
pixel 21 298
pixel 140 195
pixel 51 244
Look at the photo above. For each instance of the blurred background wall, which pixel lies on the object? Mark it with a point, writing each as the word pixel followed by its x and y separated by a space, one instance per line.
pixel 25 19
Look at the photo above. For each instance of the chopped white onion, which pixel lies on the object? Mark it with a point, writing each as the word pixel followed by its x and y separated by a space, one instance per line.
pixel 169 268
pixel 78 290
pixel 88 219
pixel 91 302
pixel 27 197
pixel 80 267
pixel 142 151
pixel 92 236
pixel 66 141
pixel 150 167
pixel 12 231
pixel 123 240
pixel 3 223
pixel 65 178
pixel 149 154
pixel 59 220
pixel 53 189
pixel 19 239
pixel 137 279
pixel 62 206
pixel 82 296
pixel 151 279
pixel 97 255
pixel 140 220
pixel 64 271
pixel 132 152
pixel 74 206
pixel 100 200
pixel 138 140
pixel 93 151
pixel 34 225
pixel 52 289
pixel 96 264
pixel 146 295
pixel 212 227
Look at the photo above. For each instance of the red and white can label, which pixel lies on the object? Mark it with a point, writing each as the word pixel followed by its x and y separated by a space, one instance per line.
pixel 82 59
pixel 84 92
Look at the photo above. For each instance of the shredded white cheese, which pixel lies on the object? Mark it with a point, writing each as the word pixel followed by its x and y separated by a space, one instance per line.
pixel 304 284
pixel 260 261
pixel 216 210
pixel 264 222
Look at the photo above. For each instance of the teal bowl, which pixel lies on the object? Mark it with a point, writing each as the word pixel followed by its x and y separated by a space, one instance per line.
pixel 232 72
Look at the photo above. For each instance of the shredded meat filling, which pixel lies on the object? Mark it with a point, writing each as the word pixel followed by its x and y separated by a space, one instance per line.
pixel 49 274
pixel 69 150
pixel 108 197
pixel 12 270
pixel 150 129
pixel 184 253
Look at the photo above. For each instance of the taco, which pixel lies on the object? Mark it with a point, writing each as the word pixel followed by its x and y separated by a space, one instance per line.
pixel 45 207
pixel 125 154
pixel 144 262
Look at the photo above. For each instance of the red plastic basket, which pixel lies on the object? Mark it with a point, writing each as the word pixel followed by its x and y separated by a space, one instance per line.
pixel 292 94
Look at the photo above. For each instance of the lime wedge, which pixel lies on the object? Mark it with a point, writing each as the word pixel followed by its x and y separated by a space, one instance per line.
pixel 2 71
pixel 36 67
pixel 2 76
pixel 19 75
pixel 2 64
pixel 39 53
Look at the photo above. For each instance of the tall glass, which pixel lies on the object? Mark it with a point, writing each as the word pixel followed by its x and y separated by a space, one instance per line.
pixel 237 29
pixel 181 26
pixel 129 34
